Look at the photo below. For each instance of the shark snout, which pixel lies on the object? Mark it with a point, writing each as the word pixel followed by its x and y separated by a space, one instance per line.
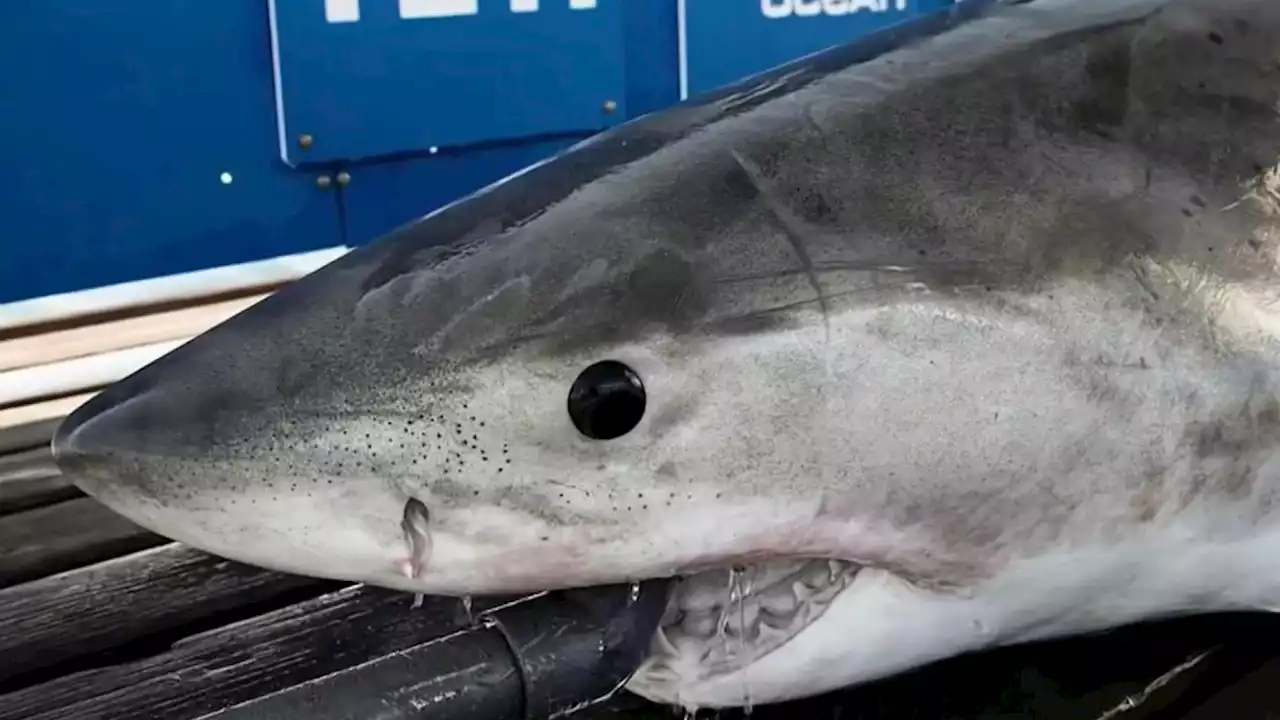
pixel 145 453
pixel 123 436
pixel 103 440
pixel 176 468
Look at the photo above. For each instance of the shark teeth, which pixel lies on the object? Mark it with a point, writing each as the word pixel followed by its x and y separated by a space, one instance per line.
pixel 773 636
pixel 720 621
pixel 662 645
pixel 802 591
pixel 779 605
pixel 701 625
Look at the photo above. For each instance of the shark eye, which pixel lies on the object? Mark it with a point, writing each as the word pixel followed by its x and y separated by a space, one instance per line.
pixel 607 400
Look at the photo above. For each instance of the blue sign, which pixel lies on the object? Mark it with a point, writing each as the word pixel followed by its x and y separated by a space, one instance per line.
pixel 371 78
pixel 721 42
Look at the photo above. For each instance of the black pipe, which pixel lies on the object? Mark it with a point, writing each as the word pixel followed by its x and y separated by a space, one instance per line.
pixel 538 658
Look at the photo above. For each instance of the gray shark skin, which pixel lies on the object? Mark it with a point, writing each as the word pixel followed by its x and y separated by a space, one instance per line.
pixel 970 344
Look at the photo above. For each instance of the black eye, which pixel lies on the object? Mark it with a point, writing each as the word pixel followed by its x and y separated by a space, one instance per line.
pixel 607 400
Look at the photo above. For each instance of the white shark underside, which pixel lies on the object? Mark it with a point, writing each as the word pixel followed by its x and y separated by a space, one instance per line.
pixel 970 344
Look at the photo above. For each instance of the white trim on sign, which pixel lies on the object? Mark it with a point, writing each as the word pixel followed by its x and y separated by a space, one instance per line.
pixel 276 80
pixel 682 42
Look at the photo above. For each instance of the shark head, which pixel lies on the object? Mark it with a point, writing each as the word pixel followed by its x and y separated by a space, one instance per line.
pixel 862 349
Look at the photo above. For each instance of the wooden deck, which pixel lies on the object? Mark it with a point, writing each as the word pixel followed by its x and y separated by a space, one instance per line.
pixel 101 619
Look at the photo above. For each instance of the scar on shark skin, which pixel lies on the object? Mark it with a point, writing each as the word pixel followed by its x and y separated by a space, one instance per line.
pixel 418 537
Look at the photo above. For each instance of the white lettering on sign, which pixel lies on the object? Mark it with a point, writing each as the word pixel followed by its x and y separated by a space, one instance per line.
pixel 778 9
pixel 419 9
pixel 523 6
pixel 341 11
pixel 348 11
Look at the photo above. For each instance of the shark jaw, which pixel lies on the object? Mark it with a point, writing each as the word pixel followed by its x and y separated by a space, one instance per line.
pixel 720 622
pixel 781 630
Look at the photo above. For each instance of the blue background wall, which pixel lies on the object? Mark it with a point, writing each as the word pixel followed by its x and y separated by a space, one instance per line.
pixel 142 137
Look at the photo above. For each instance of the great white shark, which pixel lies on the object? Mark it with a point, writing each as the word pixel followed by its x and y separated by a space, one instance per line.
pixel 890 357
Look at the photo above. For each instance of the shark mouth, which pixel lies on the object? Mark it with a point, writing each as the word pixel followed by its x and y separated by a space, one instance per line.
pixel 720 621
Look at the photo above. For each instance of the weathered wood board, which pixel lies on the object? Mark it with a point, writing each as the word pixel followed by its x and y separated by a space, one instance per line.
pixel 28 479
pixel 62 536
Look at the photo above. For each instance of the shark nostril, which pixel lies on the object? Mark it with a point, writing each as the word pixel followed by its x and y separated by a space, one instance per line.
pixel 417 535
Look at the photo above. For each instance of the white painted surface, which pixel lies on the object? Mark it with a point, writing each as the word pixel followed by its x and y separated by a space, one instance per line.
pixel 169 288
pixel 25 385
pixel 20 415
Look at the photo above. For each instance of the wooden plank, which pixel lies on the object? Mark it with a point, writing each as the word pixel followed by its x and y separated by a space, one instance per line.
pixel 78 375
pixel 457 669
pixel 240 662
pixel 29 479
pixel 16 436
pixel 151 593
pixel 26 463
pixel 1081 678
pixel 71 534
pixel 52 347
pixel 84 307
pixel 41 415
pixel 524 664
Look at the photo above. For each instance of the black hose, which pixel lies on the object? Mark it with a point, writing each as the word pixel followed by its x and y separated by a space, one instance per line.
pixel 539 658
